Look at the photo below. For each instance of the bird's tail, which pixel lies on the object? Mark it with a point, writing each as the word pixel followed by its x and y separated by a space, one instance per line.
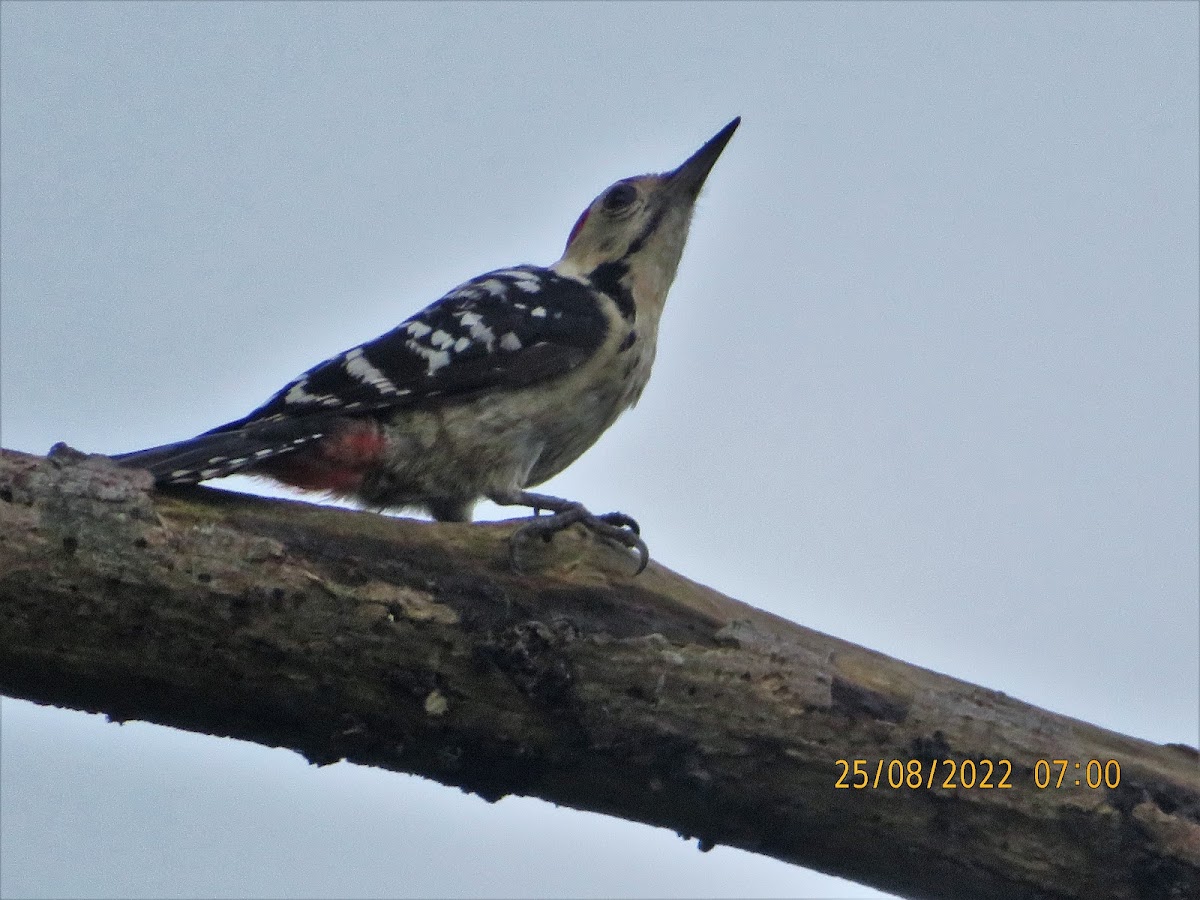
pixel 224 451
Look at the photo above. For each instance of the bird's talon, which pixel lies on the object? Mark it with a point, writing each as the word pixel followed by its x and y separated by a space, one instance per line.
pixel 625 531
pixel 643 557
pixel 621 520
pixel 616 526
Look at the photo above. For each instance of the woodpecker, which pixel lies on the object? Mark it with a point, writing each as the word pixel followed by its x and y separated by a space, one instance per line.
pixel 490 390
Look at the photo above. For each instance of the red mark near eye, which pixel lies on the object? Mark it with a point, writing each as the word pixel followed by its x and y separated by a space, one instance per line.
pixel 336 463
pixel 578 226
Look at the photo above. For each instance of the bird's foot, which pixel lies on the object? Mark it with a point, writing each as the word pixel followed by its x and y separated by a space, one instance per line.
pixel 615 526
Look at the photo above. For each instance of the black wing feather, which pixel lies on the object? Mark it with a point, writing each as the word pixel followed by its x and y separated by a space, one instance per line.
pixel 505 329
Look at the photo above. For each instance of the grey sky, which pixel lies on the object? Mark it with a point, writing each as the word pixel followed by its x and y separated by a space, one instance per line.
pixel 927 379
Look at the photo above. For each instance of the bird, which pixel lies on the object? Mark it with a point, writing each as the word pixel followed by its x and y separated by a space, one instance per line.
pixel 490 390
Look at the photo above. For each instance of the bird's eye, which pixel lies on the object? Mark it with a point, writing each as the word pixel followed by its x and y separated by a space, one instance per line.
pixel 619 196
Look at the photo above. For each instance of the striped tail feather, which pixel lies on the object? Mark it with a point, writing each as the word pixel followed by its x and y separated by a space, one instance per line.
pixel 222 452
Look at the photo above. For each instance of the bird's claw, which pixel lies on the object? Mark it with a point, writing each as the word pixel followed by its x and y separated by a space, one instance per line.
pixel 615 526
pixel 623 522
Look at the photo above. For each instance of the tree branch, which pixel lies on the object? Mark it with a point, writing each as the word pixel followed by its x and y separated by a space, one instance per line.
pixel 412 646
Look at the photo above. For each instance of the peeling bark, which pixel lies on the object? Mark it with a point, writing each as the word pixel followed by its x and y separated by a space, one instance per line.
pixel 411 646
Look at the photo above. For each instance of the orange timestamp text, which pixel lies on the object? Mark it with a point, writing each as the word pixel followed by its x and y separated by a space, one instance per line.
pixel 983 774
pixel 858 774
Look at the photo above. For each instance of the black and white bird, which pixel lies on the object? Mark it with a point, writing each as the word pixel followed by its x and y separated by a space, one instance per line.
pixel 491 390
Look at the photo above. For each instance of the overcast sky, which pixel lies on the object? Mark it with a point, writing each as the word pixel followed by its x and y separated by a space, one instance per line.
pixel 927 380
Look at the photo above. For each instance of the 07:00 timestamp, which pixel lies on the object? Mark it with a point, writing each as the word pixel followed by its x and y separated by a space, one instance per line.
pixel 1095 773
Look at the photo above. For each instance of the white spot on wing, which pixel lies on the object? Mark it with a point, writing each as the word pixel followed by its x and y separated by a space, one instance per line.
pixel 462 344
pixel 297 394
pixel 418 329
pixel 510 342
pixel 481 332
pixel 434 359
pixel 358 366
pixel 441 339
pixel 539 312
pixel 523 279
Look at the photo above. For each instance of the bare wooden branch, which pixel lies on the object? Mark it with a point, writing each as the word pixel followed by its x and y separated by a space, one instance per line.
pixel 411 646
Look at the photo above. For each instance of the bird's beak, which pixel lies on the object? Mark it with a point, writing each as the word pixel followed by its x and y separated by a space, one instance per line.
pixel 690 176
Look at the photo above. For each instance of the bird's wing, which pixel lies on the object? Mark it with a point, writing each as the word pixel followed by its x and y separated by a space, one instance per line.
pixel 506 329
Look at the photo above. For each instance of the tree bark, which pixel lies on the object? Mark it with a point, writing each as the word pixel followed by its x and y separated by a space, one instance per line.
pixel 413 647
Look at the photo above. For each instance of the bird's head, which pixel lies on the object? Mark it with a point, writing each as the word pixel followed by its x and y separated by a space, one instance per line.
pixel 635 230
